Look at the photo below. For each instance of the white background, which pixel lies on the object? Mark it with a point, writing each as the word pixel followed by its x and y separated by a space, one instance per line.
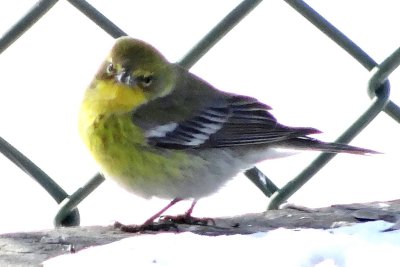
pixel 274 55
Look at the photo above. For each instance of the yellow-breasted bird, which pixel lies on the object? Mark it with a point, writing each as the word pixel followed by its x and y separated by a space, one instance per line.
pixel 159 130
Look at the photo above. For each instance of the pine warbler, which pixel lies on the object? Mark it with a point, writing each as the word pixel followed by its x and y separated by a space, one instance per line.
pixel 160 131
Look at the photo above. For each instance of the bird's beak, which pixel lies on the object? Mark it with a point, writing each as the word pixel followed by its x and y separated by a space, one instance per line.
pixel 125 77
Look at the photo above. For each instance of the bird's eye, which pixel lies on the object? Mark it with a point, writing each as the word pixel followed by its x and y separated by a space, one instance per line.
pixel 110 69
pixel 145 80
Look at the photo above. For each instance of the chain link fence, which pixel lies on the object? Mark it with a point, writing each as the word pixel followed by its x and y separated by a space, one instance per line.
pixel 378 89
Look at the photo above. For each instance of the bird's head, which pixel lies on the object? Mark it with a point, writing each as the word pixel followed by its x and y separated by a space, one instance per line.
pixel 133 74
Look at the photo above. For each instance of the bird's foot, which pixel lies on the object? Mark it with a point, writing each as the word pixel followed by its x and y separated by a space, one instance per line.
pixel 187 219
pixel 154 227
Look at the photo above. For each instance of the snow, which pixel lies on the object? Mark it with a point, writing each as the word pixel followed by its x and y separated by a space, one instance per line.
pixel 362 244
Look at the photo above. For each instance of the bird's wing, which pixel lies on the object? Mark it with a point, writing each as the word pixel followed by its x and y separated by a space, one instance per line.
pixel 238 120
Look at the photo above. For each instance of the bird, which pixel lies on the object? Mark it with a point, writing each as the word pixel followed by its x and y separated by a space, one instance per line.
pixel 160 131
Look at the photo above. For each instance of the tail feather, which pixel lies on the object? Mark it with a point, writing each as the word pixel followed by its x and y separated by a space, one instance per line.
pixel 314 144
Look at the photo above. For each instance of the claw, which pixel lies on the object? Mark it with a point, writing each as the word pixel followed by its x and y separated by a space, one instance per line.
pixel 166 223
pixel 154 227
pixel 187 219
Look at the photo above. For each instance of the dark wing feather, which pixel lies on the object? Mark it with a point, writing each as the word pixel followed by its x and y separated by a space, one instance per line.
pixel 238 120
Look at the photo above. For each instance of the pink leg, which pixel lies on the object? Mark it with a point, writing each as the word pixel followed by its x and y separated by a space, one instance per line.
pixel 187 218
pixel 190 210
pixel 148 224
pixel 158 214
pixel 166 222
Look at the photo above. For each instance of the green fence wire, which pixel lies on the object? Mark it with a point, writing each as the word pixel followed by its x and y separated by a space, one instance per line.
pixel 378 90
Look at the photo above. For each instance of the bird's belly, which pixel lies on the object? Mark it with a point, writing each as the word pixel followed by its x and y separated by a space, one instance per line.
pixel 152 172
pixel 165 173
pixel 183 175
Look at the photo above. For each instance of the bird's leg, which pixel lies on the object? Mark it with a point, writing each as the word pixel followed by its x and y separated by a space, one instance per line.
pixel 158 214
pixel 188 213
pixel 187 218
pixel 149 223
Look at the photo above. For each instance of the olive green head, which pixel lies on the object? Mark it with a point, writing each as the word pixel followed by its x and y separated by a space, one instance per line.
pixel 135 64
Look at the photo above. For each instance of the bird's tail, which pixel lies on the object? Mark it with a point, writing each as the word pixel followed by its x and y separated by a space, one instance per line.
pixel 308 143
